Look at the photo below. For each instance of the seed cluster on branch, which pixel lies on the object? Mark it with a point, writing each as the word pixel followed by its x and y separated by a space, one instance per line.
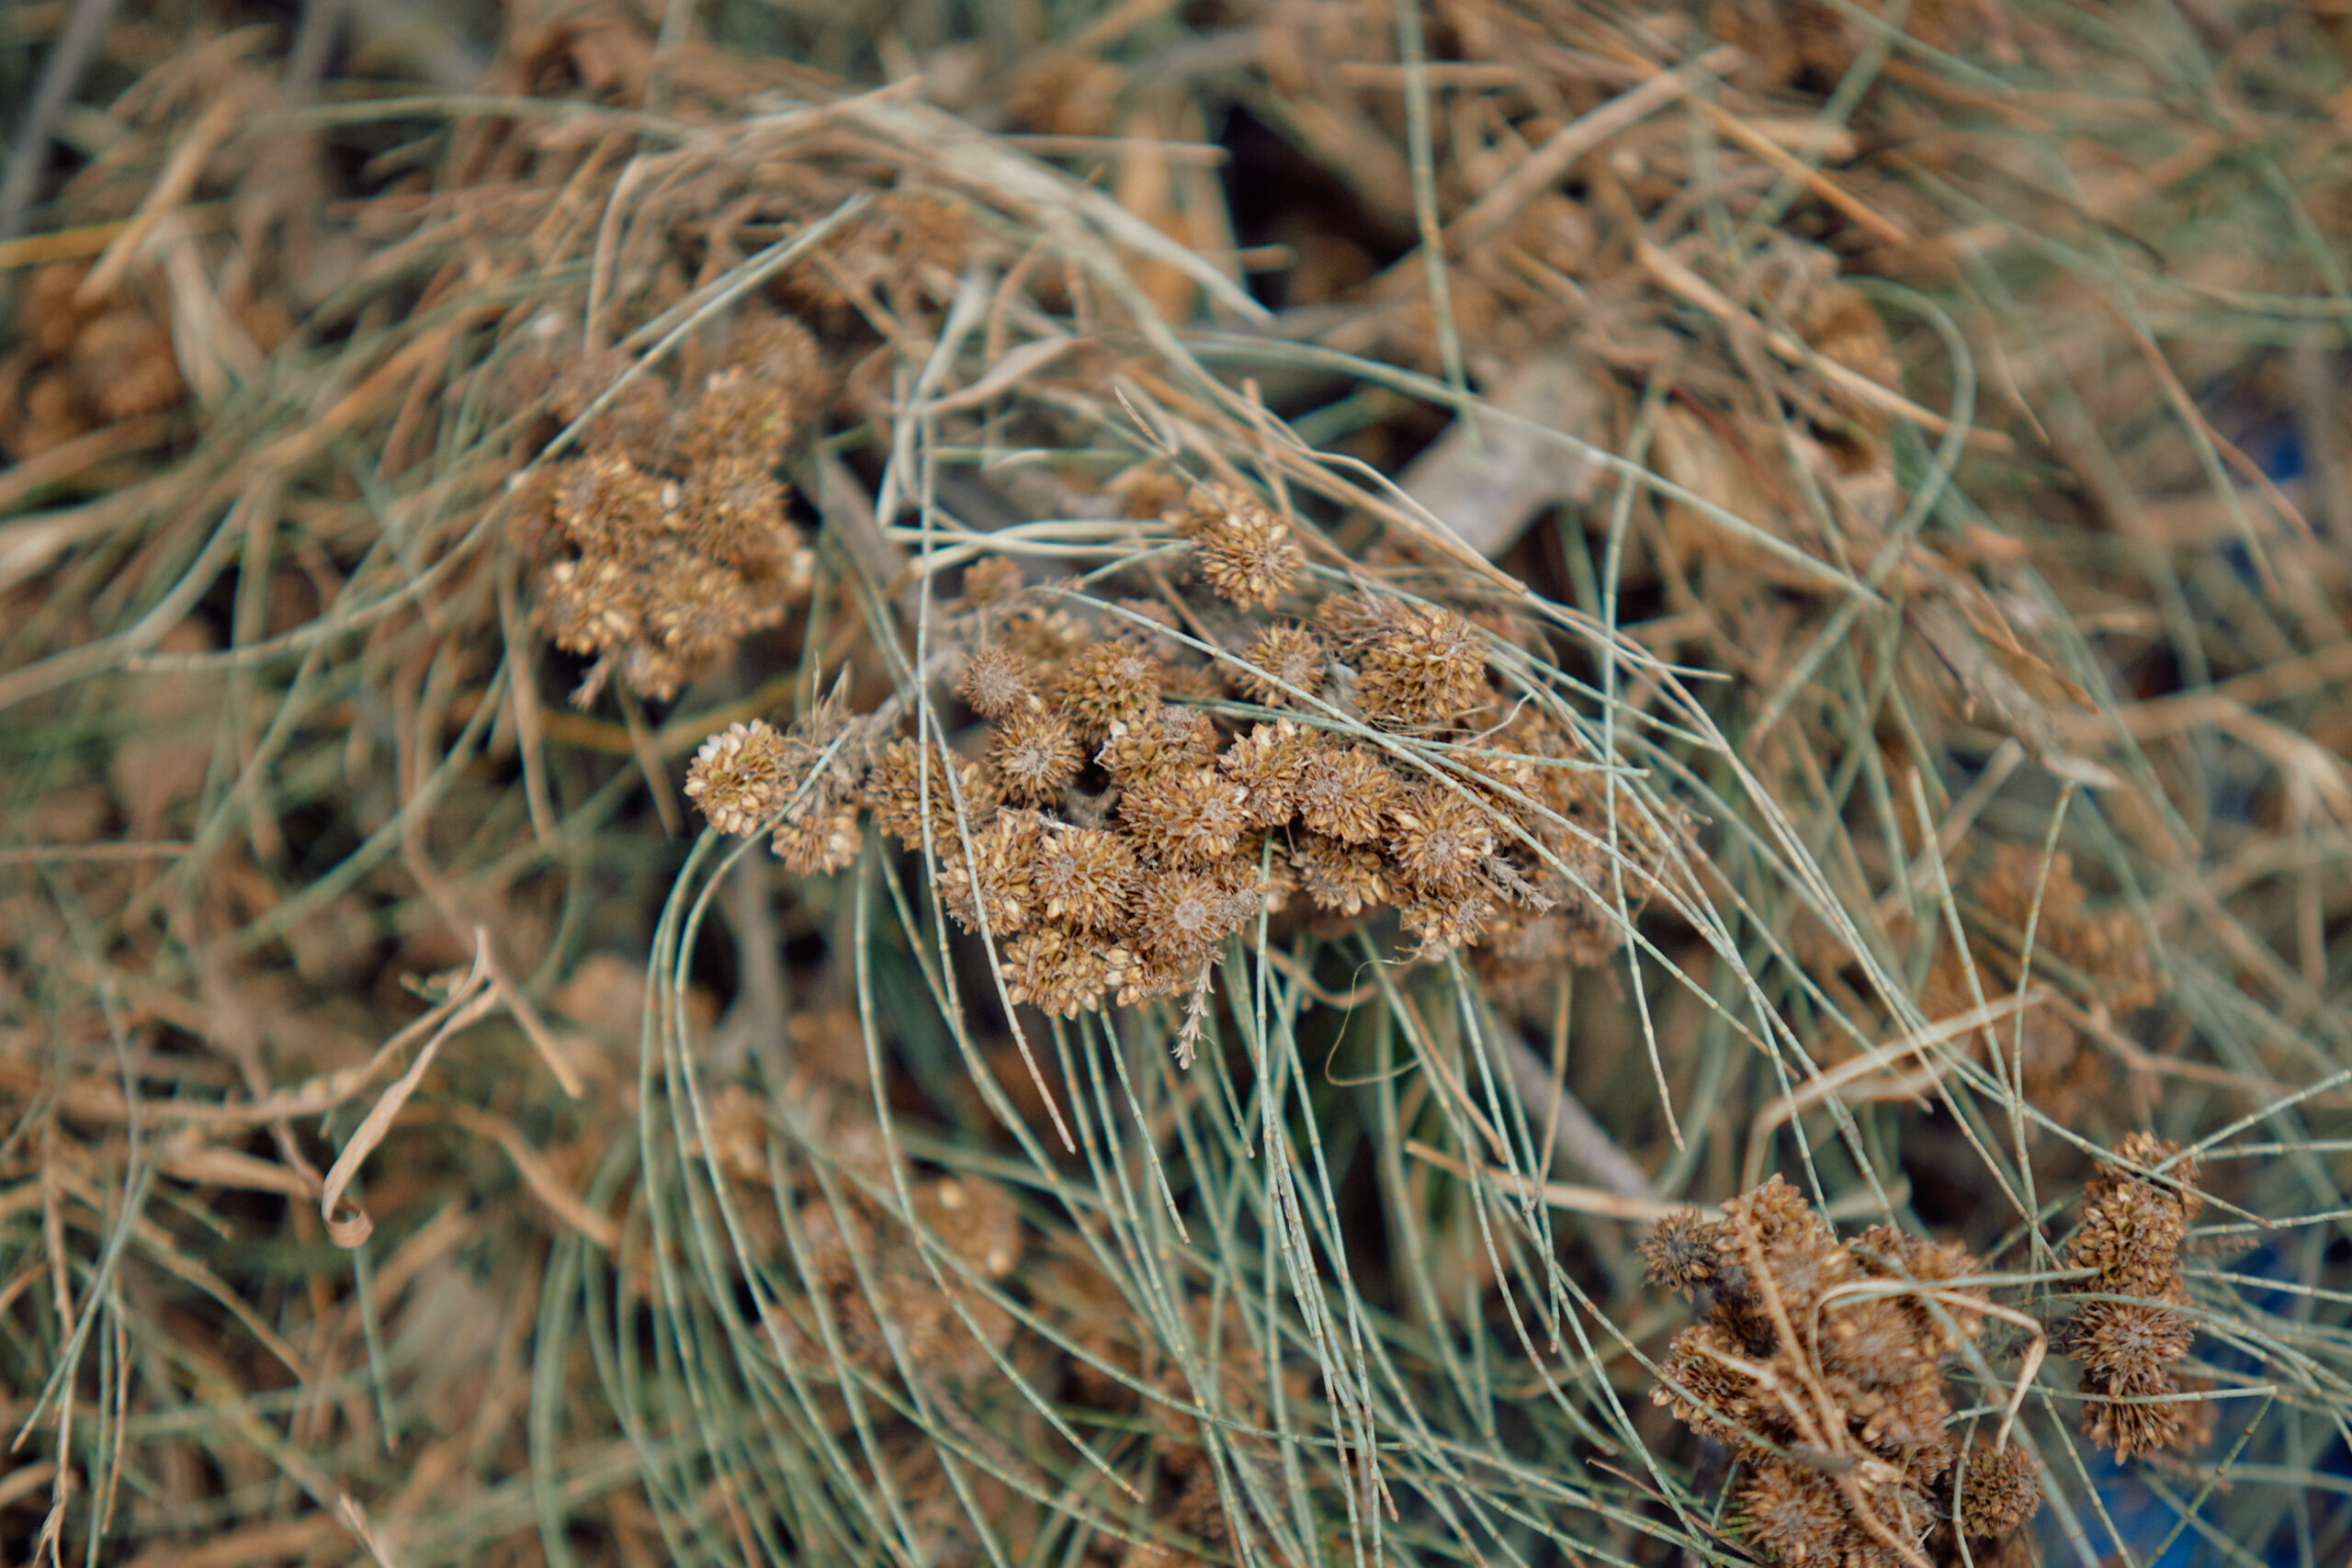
pixel 663 538
pixel 1820 1364
pixel 2132 1233
pixel 1121 821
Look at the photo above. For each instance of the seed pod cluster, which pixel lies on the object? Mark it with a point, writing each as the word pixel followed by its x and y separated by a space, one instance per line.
pixel 1123 820
pixel 1820 1363
pixel 2132 1233
pixel 662 538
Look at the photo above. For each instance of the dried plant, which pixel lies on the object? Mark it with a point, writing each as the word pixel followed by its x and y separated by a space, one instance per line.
pixel 1821 1364
pixel 1722 625
pixel 2131 1235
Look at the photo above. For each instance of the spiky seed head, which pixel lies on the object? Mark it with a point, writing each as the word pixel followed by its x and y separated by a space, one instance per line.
pixel 1163 736
pixel 1059 972
pixel 821 843
pixel 992 580
pixel 738 779
pixel 1424 669
pixel 1185 816
pixel 1000 869
pixel 1447 920
pixel 1118 678
pixel 1284 656
pixel 1336 875
pixel 895 791
pixel 1344 792
pixel 1996 1490
pixel 1269 763
pixel 1180 916
pixel 1085 875
pixel 1035 756
pixel 1797 1514
pixel 732 510
pixel 1680 1251
pixel 997 681
pixel 1246 552
pixel 1441 839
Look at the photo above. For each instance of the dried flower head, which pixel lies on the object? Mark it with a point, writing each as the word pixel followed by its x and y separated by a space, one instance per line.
pixel 694 610
pixel 1185 816
pixel 1059 972
pixel 588 605
pixel 996 680
pixel 822 842
pixel 1246 552
pixel 1181 916
pixel 1441 839
pixel 902 782
pixel 1138 975
pixel 1447 920
pixel 1344 792
pixel 1164 736
pixel 1270 763
pixel 1000 867
pixel 1035 756
pixel 1336 875
pixel 2127 1343
pixel 739 414
pixel 1115 678
pixel 1680 1251
pixel 1085 875
pixel 1284 656
pixel 1997 1489
pixel 1424 669
pixel 992 580
pixel 605 501
pixel 737 778
pixel 1859 1393
pixel 1797 1514
pixel 2132 1233
pixel 733 511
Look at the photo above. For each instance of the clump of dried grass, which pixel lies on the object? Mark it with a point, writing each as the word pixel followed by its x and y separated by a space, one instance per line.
pixel 1943 701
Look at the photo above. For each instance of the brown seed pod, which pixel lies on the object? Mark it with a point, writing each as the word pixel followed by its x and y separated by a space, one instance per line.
pixel 1085 875
pixel 1269 763
pixel 1425 668
pixel 997 681
pixel 1001 868
pixel 1059 972
pixel 738 780
pixel 1447 920
pixel 1680 1251
pixel 1995 1490
pixel 894 792
pixel 1337 875
pixel 1115 678
pixel 732 511
pixel 1185 816
pixel 1344 792
pixel 1245 553
pixel 1441 840
pixel 824 842
pixel 1181 916
pixel 1163 736
pixel 1035 756
pixel 1286 655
